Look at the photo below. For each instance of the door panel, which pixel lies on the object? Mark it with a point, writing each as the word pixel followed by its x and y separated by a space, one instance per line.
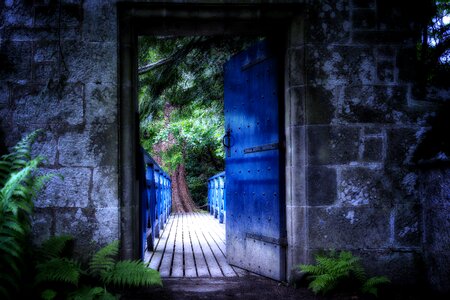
pixel 255 213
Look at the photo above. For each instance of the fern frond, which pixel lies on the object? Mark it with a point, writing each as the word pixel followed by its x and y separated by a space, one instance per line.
pixel 132 274
pixel 48 294
pixel 59 270
pixel 90 293
pixel 53 247
pixel 323 283
pixel 104 260
pixel 371 285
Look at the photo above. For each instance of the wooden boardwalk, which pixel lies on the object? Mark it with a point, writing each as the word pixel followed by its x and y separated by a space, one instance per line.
pixel 192 245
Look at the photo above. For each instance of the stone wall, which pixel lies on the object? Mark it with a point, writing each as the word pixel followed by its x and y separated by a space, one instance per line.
pixel 58 72
pixel 353 121
pixel 354 124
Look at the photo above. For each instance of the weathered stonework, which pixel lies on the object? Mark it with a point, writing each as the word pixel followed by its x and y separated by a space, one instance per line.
pixel 353 120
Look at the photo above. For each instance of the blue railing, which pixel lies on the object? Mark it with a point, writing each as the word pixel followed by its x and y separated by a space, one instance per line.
pixel 216 197
pixel 156 201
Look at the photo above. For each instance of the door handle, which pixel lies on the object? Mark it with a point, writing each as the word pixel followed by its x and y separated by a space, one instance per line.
pixel 227 139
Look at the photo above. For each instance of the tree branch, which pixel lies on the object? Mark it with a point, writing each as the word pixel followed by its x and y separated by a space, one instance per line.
pixel 154 65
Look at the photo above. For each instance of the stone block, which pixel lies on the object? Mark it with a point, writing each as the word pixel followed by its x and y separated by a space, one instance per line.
pixel 328 22
pixel 45 51
pixel 374 104
pixel 402 268
pixel 296 218
pixel 401 143
pixel 107 225
pixel 332 144
pixel 81 224
pixel 437 224
pixel 295 112
pixel 48 16
pixel 386 52
pixel 320 104
pixel 45 72
pixel 335 65
pixel 364 187
pixel 97 146
pixel 18 14
pixel 364 19
pixel 91 62
pixel 296 66
pixel 4 95
pixel 296 33
pixel 321 183
pixel 100 21
pixel 105 187
pixel 53 104
pixel 373 149
pixel 46 147
pixel 408 224
pixel 72 190
pixel 386 71
pixel 376 130
pixel 101 103
pixel 42 224
pixel 298 168
pixel 15 61
pixel 348 228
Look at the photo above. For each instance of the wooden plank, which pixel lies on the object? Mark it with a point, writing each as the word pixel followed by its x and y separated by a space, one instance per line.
pixel 192 245
pixel 161 243
pixel 226 269
pixel 189 260
pixel 200 260
pixel 177 264
pixel 213 265
pixel 166 263
pixel 217 233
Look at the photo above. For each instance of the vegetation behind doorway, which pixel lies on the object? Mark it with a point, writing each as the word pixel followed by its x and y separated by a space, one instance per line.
pixel 181 109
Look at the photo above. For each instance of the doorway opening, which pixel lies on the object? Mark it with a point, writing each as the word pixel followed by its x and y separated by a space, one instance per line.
pixel 195 20
pixel 181 110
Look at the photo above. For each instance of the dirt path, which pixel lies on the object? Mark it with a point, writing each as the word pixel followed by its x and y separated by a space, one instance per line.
pixel 258 288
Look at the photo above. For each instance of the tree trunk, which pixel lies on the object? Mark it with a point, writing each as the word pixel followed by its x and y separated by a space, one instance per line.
pixel 181 197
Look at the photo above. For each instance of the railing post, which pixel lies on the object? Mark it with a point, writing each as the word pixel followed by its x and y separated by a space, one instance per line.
pixel 221 194
pixel 216 196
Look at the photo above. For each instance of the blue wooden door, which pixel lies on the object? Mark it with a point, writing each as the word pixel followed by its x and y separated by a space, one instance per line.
pixel 255 222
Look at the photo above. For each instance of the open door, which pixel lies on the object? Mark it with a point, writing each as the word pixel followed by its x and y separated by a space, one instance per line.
pixel 255 225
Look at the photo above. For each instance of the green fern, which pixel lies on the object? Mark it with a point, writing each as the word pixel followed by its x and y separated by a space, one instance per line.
pixel 104 260
pixel 91 293
pixel 371 285
pixel 132 274
pixel 54 247
pixel 18 186
pixel 48 294
pixel 59 270
pixel 122 273
pixel 333 270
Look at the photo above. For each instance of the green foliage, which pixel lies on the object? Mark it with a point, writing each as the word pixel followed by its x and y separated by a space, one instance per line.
pixel 340 271
pixel 18 187
pixel 104 260
pixel 181 104
pixel 58 269
pixel 54 247
pixel 132 274
pixel 103 270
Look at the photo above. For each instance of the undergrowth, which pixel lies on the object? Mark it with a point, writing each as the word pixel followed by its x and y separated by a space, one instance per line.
pixel 50 271
pixel 59 276
pixel 341 272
